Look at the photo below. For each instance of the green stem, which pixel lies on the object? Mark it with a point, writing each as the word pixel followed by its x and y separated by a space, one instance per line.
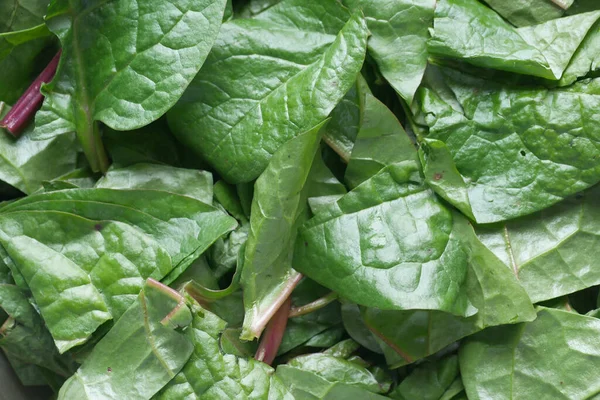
pixel 313 306
pixel 92 145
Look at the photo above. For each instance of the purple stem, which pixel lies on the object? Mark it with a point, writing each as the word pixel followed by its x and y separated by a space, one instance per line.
pixel 22 112
pixel 273 334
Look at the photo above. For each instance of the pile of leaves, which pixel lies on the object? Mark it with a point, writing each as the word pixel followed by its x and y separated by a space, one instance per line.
pixel 301 199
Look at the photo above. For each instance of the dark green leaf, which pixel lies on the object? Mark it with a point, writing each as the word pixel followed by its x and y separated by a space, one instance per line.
pixel 140 354
pixel 262 77
pixel 429 381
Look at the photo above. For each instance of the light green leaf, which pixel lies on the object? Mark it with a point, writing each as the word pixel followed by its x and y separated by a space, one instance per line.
pixel 398 42
pixel 529 12
pixel 140 354
pixel 210 374
pixel 509 150
pixel 551 357
pixel 25 163
pixel 381 141
pixel 123 63
pixel 468 30
pixel 185 182
pixel 277 208
pixel 85 253
pixel 323 376
pixel 549 251
pixel 266 80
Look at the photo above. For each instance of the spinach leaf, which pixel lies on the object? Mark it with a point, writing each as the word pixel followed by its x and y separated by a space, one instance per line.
pixel 398 42
pixel 380 142
pixel 26 163
pixel 23 39
pixel 429 381
pixel 185 182
pixel 548 251
pixel 324 376
pixel 261 78
pixel 279 202
pixel 515 361
pixel 530 12
pixel 468 30
pixel 140 354
pixel 497 152
pixel 123 63
pixel 95 247
pixel 210 374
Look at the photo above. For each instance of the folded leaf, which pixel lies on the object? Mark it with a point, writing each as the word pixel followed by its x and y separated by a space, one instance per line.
pixel 262 77
pixel 501 151
pixel 468 30
pixel 380 142
pixel 211 374
pixel 85 253
pixel 123 63
pixel 140 354
pixel 549 251
pixel 25 163
pixel 398 42
pixel 551 357
pixel 279 202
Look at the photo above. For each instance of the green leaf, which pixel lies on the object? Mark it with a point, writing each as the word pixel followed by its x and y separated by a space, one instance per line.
pixel 300 330
pixel 398 42
pixel 184 182
pixel 340 132
pixel 144 345
pixel 529 12
pixel 324 376
pixel 85 253
pixel 150 144
pixel 261 78
pixel 123 63
pixel 25 339
pixel 381 141
pixel 210 374
pixel 549 251
pixel 550 357
pixel 25 163
pixel 389 243
pixel 508 150
pixel 278 205
pixel 23 36
pixel 406 336
pixel 428 381
pixel 468 30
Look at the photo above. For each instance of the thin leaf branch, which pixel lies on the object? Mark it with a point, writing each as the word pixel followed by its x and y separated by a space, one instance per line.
pixel 313 306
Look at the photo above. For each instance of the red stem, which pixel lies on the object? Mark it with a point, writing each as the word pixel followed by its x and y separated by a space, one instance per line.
pixel 22 112
pixel 273 334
